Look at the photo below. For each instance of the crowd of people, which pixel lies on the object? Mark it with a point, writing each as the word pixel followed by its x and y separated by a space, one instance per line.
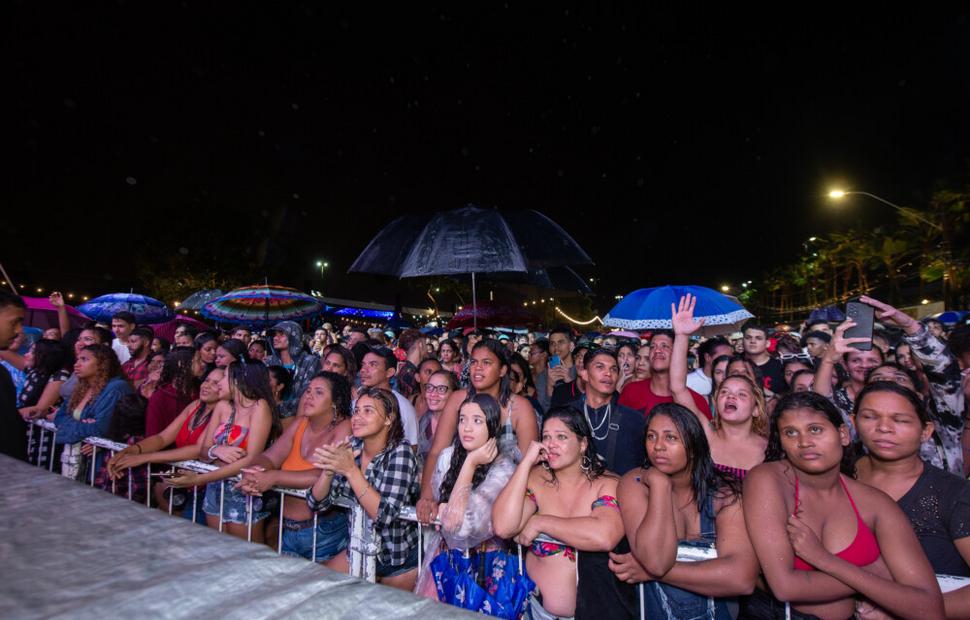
pixel 827 474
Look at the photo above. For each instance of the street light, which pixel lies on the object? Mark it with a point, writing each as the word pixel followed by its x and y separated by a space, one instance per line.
pixel 322 264
pixel 838 194
pixel 725 288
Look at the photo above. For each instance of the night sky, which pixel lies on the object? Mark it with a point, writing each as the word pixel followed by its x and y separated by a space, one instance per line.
pixel 676 147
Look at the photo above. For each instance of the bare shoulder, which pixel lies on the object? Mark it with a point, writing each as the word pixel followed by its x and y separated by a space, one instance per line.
pixel 869 500
pixel 776 474
pixel 606 485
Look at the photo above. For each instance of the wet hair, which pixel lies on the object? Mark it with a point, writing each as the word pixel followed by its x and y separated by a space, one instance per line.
pixel 493 415
pixel 881 387
pixel 707 347
pixel 817 403
pixel 502 353
pixel 576 422
pixel 127 419
pixel 349 360
pixel 395 434
pixel 125 316
pixel 661 332
pixel 177 371
pixel 108 368
pixel 9 299
pixel 49 357
pixel 899 367
pixel 236 348
pixel 759 423
pixel 251 380
pixel 704 477
pixel 144 332
pixel 339 393
pixel 283 377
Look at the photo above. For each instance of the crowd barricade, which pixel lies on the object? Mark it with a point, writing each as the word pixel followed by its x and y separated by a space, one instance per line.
pixel 363 553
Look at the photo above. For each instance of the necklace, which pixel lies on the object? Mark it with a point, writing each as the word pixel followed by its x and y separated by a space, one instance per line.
pixel 605 420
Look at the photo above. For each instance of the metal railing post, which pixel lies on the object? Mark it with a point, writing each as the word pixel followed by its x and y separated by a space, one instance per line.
pixel 94 461
pixel 642 609
pixel 114 481
pixel 279 533
pixel 148 484
pixel 53 447
pixel 171 500
pixel 222 499
pixel 313 546
pixel 249 518
pixel 195 502
pixel 30 441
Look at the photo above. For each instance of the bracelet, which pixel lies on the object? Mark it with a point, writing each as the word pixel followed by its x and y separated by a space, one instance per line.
pixel 361 496
pixel 138 445
pixel 211 457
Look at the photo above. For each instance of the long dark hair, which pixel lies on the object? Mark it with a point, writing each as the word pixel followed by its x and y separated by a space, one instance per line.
pixel 236 348
pixel 177 371
pixel 505 382
pixel 349 360
pixel 815 402
pixel 128 418
pixel 493 416
pixel 388 401
pixel 576 422
pixel 704 477
pixel 49 357
pixel 339 393
pixel 252 381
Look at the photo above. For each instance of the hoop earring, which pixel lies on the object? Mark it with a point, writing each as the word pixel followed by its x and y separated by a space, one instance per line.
pixel 585 464
pixel 546 466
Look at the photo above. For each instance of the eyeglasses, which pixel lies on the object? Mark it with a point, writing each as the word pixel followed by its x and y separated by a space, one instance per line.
pixel 436 389
pixel 796 356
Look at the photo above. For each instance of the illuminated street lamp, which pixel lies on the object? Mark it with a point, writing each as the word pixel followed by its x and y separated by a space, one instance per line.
pixel 725 288
pixel 838 194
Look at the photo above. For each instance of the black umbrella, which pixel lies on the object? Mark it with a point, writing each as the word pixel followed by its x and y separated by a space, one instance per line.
pixel 471 241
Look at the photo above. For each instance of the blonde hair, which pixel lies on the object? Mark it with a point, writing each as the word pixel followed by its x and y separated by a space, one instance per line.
pixel 759 419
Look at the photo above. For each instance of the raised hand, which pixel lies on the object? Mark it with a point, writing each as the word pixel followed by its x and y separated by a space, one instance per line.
pixel 840 344
pixel 484 453
pixel 56 299
pixel 534 454
pixel 892 316
pixel 682 316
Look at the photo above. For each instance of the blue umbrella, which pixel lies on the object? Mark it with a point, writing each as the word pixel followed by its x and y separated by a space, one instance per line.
pixel 432 331
pixel 829 314
pixel 147 310
pixel 649 308
pixel 951 317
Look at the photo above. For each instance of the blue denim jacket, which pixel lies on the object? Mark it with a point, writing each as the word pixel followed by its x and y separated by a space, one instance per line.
pixel 70 430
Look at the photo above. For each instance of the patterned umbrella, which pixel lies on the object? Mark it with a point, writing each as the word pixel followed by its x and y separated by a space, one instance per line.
pixel 196 300
pixel 649 308
pixel 261 305
pixel 147 310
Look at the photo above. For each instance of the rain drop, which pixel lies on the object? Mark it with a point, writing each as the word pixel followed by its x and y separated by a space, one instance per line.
pixel 131 180
pixel 183 251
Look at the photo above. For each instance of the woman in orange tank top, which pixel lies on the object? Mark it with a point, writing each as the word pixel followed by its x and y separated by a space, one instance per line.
pixel 323 417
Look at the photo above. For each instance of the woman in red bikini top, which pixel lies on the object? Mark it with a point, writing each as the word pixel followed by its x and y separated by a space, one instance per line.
pixel 825 541
pixel 185 431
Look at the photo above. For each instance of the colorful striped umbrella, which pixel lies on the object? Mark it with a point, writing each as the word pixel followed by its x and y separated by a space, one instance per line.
pixel 147 310
pixel 262 305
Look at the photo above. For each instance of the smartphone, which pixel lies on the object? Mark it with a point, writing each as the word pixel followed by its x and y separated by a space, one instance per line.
pixel 554 361
pixel 863 315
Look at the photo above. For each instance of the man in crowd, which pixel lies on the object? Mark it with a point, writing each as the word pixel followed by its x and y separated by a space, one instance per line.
pixel 287 351
pixel 356 335
pixel 122 323
pixel 376 370
pixel 756 350
pixel 139 347
pixel 414 344
pixel 816 343
pixel 700 379
pixel 560 344
pixel 818 326
pixel 647 394
pixel 13 429
pixel 243 334
pixel 565 393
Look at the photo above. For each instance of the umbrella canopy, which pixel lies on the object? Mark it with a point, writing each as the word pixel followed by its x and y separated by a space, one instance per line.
pixel 167 329
pixel 262 305
pixel 196 300
pixel 43 315
pixel 147 310
pixel 492 314
pixel 949 317
pixel 649 308
pixel 829 314
pixel 469 240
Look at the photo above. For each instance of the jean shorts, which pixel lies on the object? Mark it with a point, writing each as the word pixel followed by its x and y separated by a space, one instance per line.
pixel 386 570
pixel 333 536
pixel 234 503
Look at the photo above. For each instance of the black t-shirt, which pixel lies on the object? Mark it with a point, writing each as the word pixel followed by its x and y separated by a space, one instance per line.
pixel 565 393
pixel 774 375
pixel 13 429
pixel 627 430
pixel 938 507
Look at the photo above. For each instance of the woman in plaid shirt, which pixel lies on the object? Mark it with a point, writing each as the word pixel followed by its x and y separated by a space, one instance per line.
pixel 377 470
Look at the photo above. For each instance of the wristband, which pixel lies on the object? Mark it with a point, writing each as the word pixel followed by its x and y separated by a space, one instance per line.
pixel 211 457
pixel 361 496
pixel 139 448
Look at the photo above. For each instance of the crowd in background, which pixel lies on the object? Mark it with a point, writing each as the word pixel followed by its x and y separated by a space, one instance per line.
pixel 827 473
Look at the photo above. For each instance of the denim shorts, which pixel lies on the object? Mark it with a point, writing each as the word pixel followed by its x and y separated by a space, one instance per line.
pixel 386 570
pixel 234 503
pixel 333 536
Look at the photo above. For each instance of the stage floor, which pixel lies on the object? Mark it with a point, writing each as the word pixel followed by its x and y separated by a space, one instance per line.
pixel 70 551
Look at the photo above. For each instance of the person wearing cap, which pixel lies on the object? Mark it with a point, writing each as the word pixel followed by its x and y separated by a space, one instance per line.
pixel 287 351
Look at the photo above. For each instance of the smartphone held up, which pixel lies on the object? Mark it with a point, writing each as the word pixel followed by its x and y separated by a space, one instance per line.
pixel 863 315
